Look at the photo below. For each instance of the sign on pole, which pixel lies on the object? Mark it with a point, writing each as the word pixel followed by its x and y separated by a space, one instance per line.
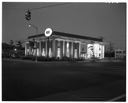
pixel 48 32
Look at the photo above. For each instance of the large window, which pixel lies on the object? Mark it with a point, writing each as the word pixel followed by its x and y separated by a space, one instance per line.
pixel 90 50
pixel 95 50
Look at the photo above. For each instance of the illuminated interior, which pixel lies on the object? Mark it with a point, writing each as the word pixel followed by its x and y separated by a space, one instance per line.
pixel 50 52
pixel 63 47
pixel 43 52
pixel 89 50
pixel 58 52
pixel 102 51
pixel 75 56
pixel 38 52
pixel 96 49
pixel 67 49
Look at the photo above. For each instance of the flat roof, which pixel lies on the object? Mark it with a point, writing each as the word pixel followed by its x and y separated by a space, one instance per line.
pixel 68 35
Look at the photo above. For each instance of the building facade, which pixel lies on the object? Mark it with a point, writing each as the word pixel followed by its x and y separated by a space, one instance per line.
pixel 60 45
pixel 120 54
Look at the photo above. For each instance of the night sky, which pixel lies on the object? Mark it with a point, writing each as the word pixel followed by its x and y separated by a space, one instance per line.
pixel 107 20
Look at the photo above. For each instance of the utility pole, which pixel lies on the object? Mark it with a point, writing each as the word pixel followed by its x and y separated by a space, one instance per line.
pixel 28 18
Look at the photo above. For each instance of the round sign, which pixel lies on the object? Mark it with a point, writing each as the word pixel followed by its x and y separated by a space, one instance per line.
pixel 48 32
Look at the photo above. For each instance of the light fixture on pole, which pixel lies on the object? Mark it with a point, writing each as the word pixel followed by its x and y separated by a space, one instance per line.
pixel 36 28
pixel 48 33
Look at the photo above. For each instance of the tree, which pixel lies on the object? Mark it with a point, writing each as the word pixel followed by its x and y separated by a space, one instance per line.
pixel 19 44
pixel 11 42
pixel 110 50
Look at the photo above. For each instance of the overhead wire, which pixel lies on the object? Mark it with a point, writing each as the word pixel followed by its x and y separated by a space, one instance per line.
pixel 48 6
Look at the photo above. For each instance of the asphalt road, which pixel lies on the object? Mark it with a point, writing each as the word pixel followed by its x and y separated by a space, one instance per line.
pixel 63 81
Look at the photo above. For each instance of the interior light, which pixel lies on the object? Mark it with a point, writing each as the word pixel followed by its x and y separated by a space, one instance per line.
pixel 75 56
pixel 50 52
pixel 43 52
pixel 58 52
pixel 67 49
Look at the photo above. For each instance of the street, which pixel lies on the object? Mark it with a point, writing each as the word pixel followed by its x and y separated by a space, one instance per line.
pixel 63 81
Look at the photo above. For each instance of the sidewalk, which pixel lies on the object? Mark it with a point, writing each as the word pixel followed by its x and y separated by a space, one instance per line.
pixel 102 60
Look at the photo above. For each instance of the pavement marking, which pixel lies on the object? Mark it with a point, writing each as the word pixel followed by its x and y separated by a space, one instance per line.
pixel 118 97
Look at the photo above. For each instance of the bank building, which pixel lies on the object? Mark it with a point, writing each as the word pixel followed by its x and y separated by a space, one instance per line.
pixel 58 45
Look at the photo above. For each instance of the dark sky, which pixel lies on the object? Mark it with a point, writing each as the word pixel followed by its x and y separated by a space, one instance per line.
pixel 91 19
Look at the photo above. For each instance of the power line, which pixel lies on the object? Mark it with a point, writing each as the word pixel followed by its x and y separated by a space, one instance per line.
pixel 32 9
pixel 48 6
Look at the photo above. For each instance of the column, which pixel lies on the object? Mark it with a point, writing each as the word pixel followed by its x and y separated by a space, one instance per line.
pixel 78 52
pixel 50 49
pixel 63 48
pixel 25 49
pixel 67 50
pixel 53 48
pixel 102 52
pixel 72 49
pixel 58 49
pixel 40 48
pixel 37 49
pixel 38 52
pixel 79 49
pixel 29 50
pixel 46 47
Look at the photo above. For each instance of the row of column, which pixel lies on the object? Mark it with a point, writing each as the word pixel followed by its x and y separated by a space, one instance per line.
pixel 62 48
pixel 53 48
pixel 66 49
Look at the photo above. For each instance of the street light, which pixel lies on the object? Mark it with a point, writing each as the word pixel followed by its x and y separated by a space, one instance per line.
pixel 48 33
pixel 36 28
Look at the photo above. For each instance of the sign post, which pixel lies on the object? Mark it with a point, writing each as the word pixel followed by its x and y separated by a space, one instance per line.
pixel 48 33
